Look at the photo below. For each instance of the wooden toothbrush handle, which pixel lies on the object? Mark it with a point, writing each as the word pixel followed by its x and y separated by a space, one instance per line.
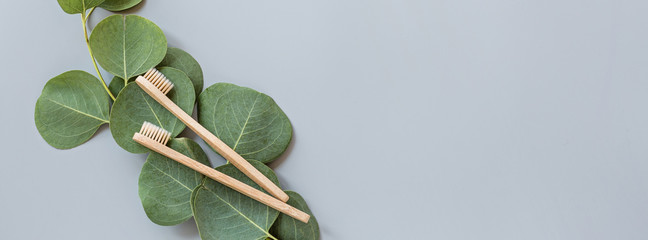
pixel 222 178
pixel 213 141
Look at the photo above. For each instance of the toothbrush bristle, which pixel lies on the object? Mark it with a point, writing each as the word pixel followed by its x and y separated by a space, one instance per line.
pixel 158 80
pixel 156 133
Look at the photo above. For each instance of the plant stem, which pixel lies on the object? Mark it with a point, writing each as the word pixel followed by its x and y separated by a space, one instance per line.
pixel 90 12
pixel 85 17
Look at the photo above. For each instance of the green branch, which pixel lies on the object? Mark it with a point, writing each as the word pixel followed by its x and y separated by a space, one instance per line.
pixel 84 18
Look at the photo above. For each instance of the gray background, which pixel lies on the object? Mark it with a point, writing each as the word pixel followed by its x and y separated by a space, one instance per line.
pixel 469 119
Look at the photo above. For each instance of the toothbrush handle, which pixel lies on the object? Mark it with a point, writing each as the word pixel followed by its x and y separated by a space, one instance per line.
pixel 222 178
pixel 213 141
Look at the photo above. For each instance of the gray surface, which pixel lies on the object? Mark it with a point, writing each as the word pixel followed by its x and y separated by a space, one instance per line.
pixel 413 119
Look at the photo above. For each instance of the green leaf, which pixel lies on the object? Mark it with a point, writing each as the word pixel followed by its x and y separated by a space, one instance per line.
pixel 182 60
pixel 117 84
pixel 71 108
pixel 287 228
pixel 119 5
pixel 133 106
pixel 127 46
pixel 222 213
pixel 78 6
pixel 165 185
pixel 248 121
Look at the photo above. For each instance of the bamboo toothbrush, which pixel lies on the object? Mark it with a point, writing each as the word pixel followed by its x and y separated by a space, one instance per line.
pixel 155 138
pixel 157 86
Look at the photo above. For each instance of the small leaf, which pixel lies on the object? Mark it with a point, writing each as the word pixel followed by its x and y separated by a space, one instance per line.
pixel 117 84
pixel 78 6
pixel 248 121
pixel 165 185
pixel 119 5
pixel 71 108
pixel 182 60
pixel 133 106
pixel 287 228
pixel 127 46
pixel 222 213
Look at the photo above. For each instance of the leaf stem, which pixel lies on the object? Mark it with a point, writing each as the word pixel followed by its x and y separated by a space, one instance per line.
pixel 84 18
pixel 88 14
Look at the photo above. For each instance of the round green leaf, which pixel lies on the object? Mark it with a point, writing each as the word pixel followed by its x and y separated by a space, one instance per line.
pixel 78 6
pixel 182 60
pixel 127 46
pixel 119 5
pixel 248 121
pixel 165 185
pixel 133 106
pixel 288 228
pixel 222 213
pixel 71 108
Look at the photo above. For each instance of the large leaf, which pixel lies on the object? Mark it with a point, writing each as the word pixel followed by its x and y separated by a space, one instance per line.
pixel 71 108
pixel 119 5
pixel 133 106
pixel 182 60
pixel 165 185
pixel 78 6
pixel 287 228
pixel 248 121
pixel 127 46
pixel 222 213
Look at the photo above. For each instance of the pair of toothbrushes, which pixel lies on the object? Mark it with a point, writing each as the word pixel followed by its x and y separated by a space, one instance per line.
pixel 155 138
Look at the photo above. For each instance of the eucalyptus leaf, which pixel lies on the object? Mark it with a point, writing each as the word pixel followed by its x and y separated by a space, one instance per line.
pixel 71 108
pixel 222 213
pixel 119 5
pixel 287 228
pixel 165 185
pixel 127 46
pixel 248 121
pixel 133 106
pixel 117 84
pixel 182 60
pixel 78 6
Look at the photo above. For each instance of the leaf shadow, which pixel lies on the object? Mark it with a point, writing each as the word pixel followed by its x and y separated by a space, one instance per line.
pixel 102 128
pixel 187 229
pixel 173 41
